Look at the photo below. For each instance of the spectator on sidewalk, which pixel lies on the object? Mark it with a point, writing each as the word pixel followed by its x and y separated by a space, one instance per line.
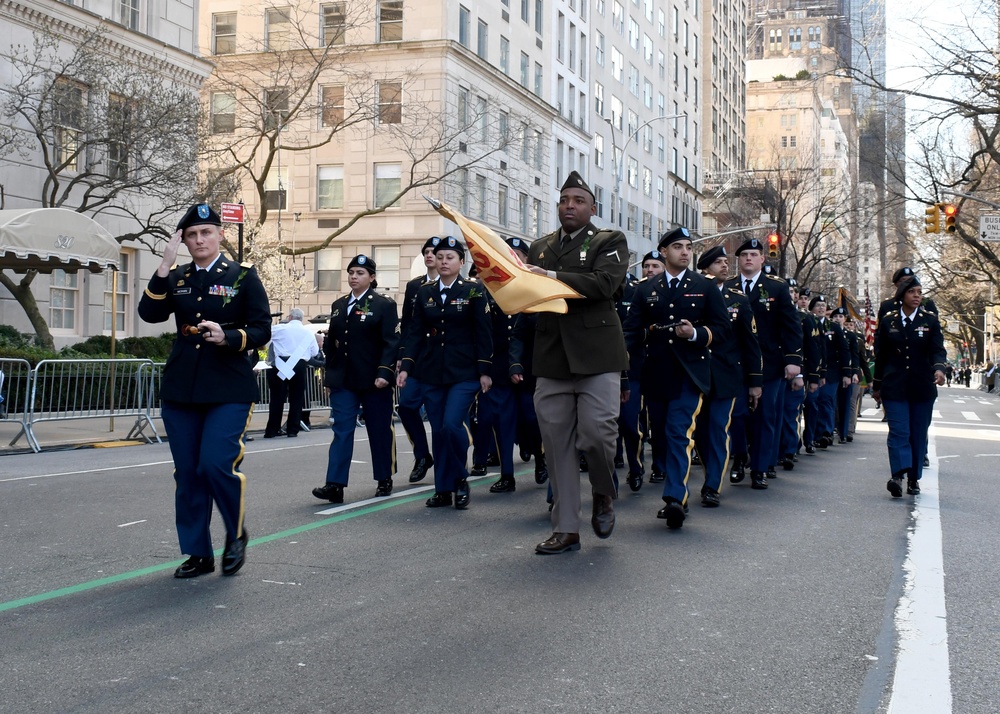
pixel 292 346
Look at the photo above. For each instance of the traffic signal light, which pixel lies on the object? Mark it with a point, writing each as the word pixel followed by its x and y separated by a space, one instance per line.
pixel 932 219
pixel 950 217
pixel 773 245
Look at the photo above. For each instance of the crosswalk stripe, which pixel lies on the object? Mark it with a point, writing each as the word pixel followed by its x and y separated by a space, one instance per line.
pixel 936 414
pixel 971 416
pixel 873 412
pixel 959 401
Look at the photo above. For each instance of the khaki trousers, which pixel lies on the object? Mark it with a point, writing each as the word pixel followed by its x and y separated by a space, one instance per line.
pixel 578 414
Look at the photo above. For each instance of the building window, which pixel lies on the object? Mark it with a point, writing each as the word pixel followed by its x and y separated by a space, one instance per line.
pixel 278 29
pixel 525 144
pixel 63 292
pixel 329 187
pixel 647 181
pixel 617 64
pixel 482 117
pixel 633 34
pixel 502 217
pixel 539 14
pixel 659 190
pixel 390 21
pixel 632 173
pixel 463 26
pixel 328 267
pixel 119 136
pixel 539 151
pixel 387 260
pixel 388 182
pixel 334 23
pixel 224 33
pixel 482 40
pixel 128 13
pixel 524 10
pixel 618 17
pixel 276 190
pixel 599 150
pixel 524 70
pixel 223 113
pixel 633 80
pixel 463 108
pixel 462 182
pixel 275 108
pixel 390 102
pixel 333 105
pixel 522 211
pixel 599 200
pixel 599 98
pixel 536 218
pixel 538 79
pixel 116 304
pixel 505 55
pixel 599 51
pixel 67 117
pixel 481 197
pixel 503 129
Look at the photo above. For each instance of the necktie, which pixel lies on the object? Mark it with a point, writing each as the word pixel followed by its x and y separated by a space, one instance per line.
pixel 674 282
pixel 749 285
pixel 444 296
pixel 350 306
pixel 906 322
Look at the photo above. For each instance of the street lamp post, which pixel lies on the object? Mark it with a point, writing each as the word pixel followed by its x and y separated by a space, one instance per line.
pixel 617 165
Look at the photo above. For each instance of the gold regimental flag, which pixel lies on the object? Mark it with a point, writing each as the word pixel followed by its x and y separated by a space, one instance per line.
pixel 514 287
pixel 849 303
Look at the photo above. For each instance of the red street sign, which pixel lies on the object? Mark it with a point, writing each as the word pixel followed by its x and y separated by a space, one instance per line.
pixel 232 212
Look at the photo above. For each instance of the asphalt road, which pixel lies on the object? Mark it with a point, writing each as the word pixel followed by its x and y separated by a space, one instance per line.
pixel 795 599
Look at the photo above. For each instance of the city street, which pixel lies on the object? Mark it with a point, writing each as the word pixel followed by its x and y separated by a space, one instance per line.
pixel 820 595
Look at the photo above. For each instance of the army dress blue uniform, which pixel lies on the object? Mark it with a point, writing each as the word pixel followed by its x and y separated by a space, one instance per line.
pixel 629 430
pixel 845 395
pixel 677 371
pixel 361 346
pixel 207 391
pixel 448 347
pixel 500 421
pixel 797 392
pixel 838 366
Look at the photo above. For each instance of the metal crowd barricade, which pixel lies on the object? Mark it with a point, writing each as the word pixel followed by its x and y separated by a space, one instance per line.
pixel 87 389
pixel 15 393
pixel 315 392
pixel 148 379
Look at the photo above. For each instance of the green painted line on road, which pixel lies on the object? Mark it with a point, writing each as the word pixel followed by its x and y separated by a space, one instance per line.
pixel 121 577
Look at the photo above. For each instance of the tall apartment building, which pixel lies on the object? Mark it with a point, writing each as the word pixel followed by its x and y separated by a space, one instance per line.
pixel 647 80
pixel 90 154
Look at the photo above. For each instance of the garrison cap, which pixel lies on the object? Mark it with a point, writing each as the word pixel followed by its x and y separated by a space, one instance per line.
pixel 362 261
pixel 575 180
pixel 904 272
pixel 451 243
pixel 710 256
pixel 200 214
pixel 752 244
pixel 816 298
pixel 677 234
pixel 654 255
pixel 430 243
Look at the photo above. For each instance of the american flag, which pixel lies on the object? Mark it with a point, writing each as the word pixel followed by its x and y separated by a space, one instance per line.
pixel 870 322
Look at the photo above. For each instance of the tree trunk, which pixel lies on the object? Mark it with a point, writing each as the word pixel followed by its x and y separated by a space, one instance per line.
pixel 26 299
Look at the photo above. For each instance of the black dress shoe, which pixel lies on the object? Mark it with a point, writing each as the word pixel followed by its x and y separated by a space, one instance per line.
pixel 234 555
pixel 696 459
pixel 584 466
pixel 674 514
pixel 525 456
pixel 195 566
pixel 332 492
pixel 710 498
pixel 810 449
pixel 478 470
pixel 492 460
pixel 384 488
pixel 559 543
pixel 505 484
pixel 603 518
pixel 656 476
pixel 850 438
pixel 279 432
pixel 541 470
pixel 927 462
pixel 758 480
pixel 787 463
pixel 438 500
pixel 420 469
pixel 462 494
pixel 895 487
pixel 634 480
pixel 842 440
pixel 912 486
pixel 619 462
pixel 738 473
pixel 771 473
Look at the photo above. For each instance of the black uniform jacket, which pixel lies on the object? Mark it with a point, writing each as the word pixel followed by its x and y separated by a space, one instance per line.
pixel 892 304
pixel 813 348
pixel 779 332
pixel 452 342
pixel 232 295
pixel 854 349
pixel 656 308
pixel 636 356
pixel 503 329
pixel 406 313
pixel 588 339
pixel 908 357
pixel 522 347
pixel 736 360
pixel 361 346
pixel 838 352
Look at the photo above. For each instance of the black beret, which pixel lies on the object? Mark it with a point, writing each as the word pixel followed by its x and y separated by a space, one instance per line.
pixel 654 255
pixel 710 256
pixel 752 244
pixel 768 270
pixel 575 180
pixel 792 282
pixel 839 311
pixel 200 214
pixel 903 272
pixel 677 234
pixel 816 298
pixel 805 292
pixel 430 243
pixel 362 261
pixel 518 244
pixel 905 284
pixel 451 243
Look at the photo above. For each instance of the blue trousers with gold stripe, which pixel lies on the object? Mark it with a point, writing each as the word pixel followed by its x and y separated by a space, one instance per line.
pixel 827 407
pixel 629 431
pixel 377 405
pixel 907 440
pixel 712 437
pixel 766 419
pixel 792 407
pixel 206 443
pixel 503 423
pixel 678 414
pixel 411 398
pixel 447 409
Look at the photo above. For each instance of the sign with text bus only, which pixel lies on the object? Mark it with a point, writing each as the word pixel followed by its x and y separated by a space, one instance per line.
pixel 989 227
pixel 233 213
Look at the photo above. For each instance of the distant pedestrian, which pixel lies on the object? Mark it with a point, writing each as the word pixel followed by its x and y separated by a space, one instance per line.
pixel 292 347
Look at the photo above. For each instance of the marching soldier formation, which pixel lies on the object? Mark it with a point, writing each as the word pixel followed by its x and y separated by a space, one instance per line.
pixel 736 374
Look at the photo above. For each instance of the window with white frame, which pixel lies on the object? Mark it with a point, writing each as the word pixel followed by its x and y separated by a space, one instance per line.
pixel 119 132
pixel 481 201
pixel 522 212
pixel 390 102
pixel 328 269
pixel 599 49
pixel 275 108
pixel 334 19
pixel 64 294
pixel 464 22
pixel 278 28
pixel 128 13
pixel 224 33
pixel 502 216
pixel 117 297
pixel 599 150
pixel 68 110
pixel 223 113
pixel 504 55
pixel 390 21
pixel 276 189
pixel 536 218
pixel 388 183
pixel 387 260
pixel 329 187
pixel 333 104
pixel 483 40
pixel 599 98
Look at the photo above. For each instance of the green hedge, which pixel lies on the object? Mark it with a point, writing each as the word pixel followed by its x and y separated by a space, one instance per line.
pixel 15 345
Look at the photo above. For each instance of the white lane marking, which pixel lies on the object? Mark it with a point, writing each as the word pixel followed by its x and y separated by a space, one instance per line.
pixel 971 416
pixel 871 411
pixel 922 677
pixel 978 456
pixel 936 414
pixel 998 414
pixel 131 523
pixel 959 401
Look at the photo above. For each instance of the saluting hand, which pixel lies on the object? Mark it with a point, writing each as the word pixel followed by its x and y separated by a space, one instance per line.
pixel 170 254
